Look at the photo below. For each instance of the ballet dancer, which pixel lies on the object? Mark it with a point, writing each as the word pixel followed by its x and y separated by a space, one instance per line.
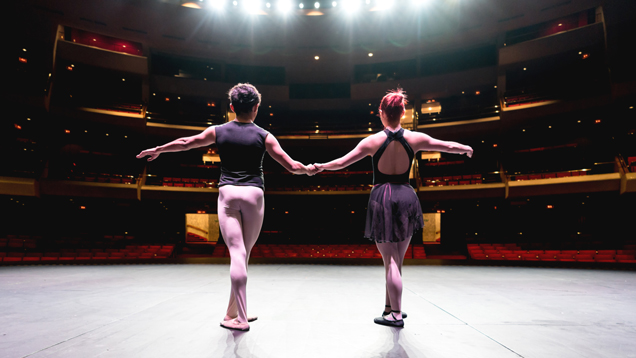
pixel 394 210
pixel 242 146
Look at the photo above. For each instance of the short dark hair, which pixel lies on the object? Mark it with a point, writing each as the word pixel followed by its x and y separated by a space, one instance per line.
pixel 244 97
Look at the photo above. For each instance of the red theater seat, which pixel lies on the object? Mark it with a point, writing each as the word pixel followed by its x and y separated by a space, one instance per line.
pixel 626 258
pixel 530 257
pixel 512 256
pixel 566 257
pixel 604 258
pixel 547 257
pixel 584 258
pixel 606 252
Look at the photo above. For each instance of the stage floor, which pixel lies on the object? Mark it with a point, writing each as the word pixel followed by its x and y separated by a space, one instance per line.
pixel 316 311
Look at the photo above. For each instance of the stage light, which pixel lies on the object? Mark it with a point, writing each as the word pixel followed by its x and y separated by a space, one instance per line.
pixel 22 59
pixel 384 4
pixel 252 6
pixel 284 5
pixel 351 5
pixel 234 3
pixel 268 5
pixel 631 107
pixel 123 80
pixel 495 86
pixel 370 54
pixel 24 49
pixel 420 3
pixel 316 58
pixel 219 4
pixel 301 5
pixel 334 4
pixel 316 5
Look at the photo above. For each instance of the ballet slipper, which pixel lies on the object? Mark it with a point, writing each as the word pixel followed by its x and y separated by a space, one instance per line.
pixel 386 313
pixel 235 325
pixel 249 318
pixel 391 323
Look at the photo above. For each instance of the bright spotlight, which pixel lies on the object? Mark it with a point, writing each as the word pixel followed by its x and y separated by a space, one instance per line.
pixel 284 5
pixel 385 4
pixel 420 2
pixel 316 5
pixel 351 5
pixel 218 4
pixel 334 4
pixel 268 5
pixel 235 3
pixel 252 5
pixel 301 5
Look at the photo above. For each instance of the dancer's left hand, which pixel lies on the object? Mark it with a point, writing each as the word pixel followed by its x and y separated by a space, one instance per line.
pixel 151 153
pixel 312 170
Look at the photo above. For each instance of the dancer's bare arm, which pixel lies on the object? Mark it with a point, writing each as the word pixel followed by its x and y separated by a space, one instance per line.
pixel 205 138
pixel 421 141
pixel 363 149
pixel 276 151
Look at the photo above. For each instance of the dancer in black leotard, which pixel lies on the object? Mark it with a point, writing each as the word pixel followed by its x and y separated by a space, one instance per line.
pixel 394 210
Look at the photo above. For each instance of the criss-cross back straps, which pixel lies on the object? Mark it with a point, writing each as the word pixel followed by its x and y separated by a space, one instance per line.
pixel 380 177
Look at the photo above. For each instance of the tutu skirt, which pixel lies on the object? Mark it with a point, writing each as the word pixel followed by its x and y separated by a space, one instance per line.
pixel 394 213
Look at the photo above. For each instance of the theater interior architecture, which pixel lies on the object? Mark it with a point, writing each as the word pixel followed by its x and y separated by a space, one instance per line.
pixel 544 92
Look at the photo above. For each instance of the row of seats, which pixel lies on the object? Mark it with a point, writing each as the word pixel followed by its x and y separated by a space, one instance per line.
pixel 320 251
pixel 130 252
pixel 105 178
pixel 359 187
pixel 23 241
pixel 514 252
pixel 453 180
pixel 575 173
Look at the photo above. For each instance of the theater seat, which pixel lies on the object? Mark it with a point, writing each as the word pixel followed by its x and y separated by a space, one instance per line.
pixel 547 257
pixel 530 257
pixel 566 257
pixel 604 258
pixel 584 258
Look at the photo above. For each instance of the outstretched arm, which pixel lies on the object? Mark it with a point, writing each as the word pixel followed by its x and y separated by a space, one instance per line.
pixel 276 151
pixel 205 138
pixel 425 142
pixel 360 151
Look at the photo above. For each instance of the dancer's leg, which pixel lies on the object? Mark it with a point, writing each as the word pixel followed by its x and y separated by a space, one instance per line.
pixel 393 257
pixel 241 212
pixel 230 222
pixel 252 212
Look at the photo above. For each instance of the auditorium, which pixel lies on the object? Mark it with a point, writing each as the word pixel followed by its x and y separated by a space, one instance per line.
pixel 519 125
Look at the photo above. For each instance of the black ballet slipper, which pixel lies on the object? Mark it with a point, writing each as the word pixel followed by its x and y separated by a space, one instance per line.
pixel 404 315
pixel 385 322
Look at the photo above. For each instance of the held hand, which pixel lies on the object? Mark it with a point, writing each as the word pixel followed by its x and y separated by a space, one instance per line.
pixel 469 153
pixel 317 168
pixel 151 153
pixel 311 170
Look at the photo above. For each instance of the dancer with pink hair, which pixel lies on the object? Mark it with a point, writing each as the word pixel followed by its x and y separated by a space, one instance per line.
pixel 242 146
pixel 394 210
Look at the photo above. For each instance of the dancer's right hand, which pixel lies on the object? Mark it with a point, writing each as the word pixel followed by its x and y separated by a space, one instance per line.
pixel 318 167
pixel 312 170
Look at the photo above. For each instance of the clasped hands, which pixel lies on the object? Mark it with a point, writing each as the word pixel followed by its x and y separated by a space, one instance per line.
pixel 313 169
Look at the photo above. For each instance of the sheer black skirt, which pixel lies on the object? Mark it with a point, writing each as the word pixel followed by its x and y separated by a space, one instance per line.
pixel 394 213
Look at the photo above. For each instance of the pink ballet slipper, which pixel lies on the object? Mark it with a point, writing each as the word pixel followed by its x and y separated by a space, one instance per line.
pixel 235 325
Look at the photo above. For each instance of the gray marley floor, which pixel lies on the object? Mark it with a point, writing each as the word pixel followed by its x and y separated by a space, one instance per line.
pixel 316 311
